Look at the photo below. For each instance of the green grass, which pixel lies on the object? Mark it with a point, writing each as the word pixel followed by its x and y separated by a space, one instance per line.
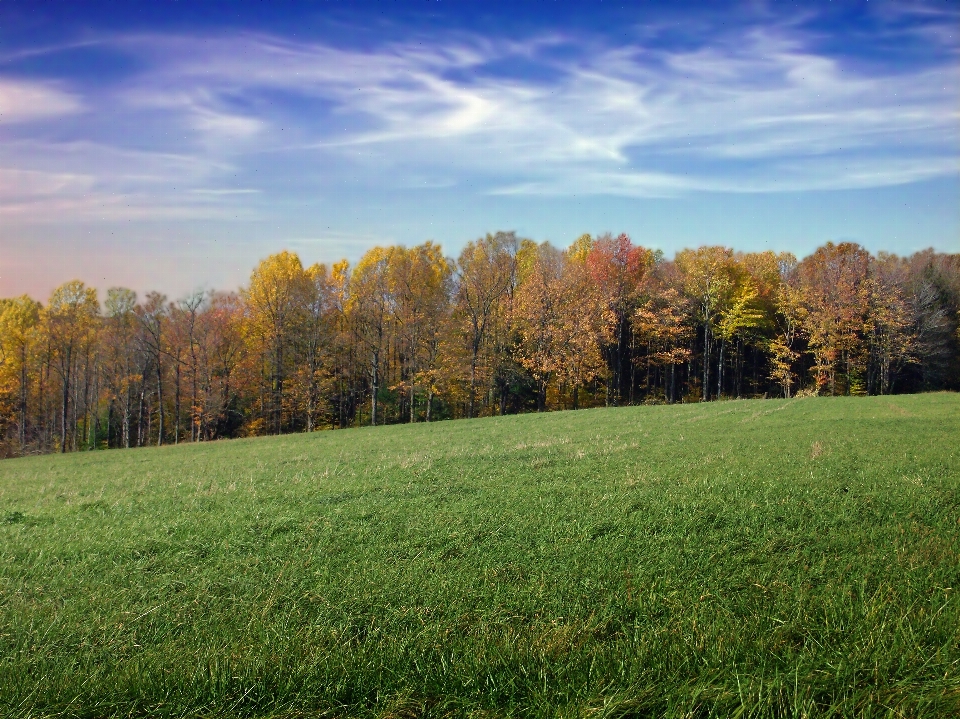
pixel 752 558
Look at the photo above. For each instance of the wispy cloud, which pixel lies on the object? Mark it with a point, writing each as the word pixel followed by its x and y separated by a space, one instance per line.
pixel 23 101
pixel 44 181
pixel 758 100
pixel 211 121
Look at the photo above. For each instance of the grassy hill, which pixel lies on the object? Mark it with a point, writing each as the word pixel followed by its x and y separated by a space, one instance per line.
pixel 753 558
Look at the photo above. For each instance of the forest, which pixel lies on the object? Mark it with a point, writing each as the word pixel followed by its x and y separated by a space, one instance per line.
pixel 509 326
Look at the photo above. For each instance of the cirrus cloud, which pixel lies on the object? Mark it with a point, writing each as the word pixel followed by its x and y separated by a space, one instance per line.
pixel 755 109
pixel 24 101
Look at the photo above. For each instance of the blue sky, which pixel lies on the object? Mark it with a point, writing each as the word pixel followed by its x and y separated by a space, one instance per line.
pixel 168 145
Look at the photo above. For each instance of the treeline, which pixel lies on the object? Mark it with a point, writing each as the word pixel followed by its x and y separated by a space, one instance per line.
pixel 408 335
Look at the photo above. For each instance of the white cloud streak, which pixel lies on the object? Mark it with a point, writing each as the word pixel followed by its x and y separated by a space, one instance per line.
pixel 24 101
pixel 755 111
pixel 106 183
pixel 650 119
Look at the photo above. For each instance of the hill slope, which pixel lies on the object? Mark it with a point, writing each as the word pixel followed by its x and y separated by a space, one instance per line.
pixel 784 557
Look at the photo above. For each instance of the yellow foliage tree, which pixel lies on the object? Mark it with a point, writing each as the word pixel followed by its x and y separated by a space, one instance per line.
pixel 18 323
pixel 277 300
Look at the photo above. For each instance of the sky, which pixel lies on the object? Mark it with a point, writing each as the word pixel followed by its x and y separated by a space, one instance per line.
pixel 172 145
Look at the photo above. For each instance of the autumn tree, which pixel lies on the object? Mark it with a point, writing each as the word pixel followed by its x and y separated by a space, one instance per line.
pixel 890 336
pixel 344 346
pixel 663 323
pixel 836 298
pixel 932 291
pixel 152 315
pixel 19 318
pixel 187 351
pixel 315 340
pixel 276 300
pixel 223 349
pixel 788 321
pixel 617 267
pixel 485 276
pixel 585 322
pixel 537 312
pixel 370 307
pixel 120 354
pixel 708 283
pixel 511 323
pixel 70 322
pixel 419 282
pixel 740 321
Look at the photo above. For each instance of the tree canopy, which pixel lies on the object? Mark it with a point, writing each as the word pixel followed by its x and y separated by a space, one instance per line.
pixel 410 335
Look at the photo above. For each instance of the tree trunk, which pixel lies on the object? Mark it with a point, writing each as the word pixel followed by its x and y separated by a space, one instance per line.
pixel 159 401
pixel 176 431
pixel 141 440
pixel 194 424
pixel 310 393
pixel 126 415
pixel 412 395
pixel 64 403
pixel 41 418
pixel 279 384
pixel 723 344
pixel 22 429
pixel 706 361
pixel 95 423
pixel 373 393
pixel 473 384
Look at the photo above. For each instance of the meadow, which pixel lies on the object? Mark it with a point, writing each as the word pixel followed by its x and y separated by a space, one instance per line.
pixel 763 558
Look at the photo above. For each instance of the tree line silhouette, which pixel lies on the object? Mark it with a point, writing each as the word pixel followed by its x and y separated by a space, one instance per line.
pixel 409 335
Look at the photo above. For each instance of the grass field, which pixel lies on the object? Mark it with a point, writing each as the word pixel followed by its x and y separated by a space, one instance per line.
pixel 750 558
